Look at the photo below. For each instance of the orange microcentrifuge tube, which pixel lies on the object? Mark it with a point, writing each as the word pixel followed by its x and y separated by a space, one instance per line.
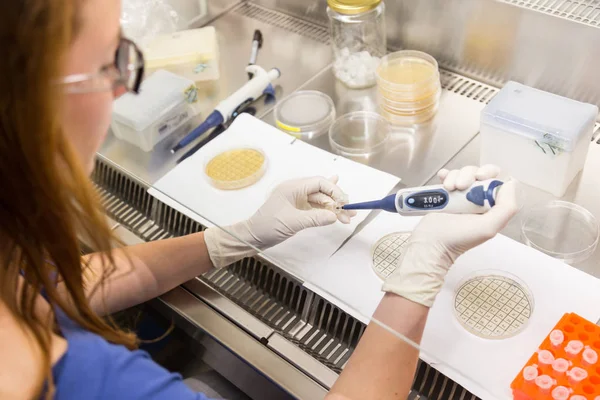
pixel 544 383
pixel 589 356
pixel 561 393
pixel 557 337
pixel 577 397
pixel 530 373
pixel 573 348
pixel 545 357
pixel 560 366
pixel 576 375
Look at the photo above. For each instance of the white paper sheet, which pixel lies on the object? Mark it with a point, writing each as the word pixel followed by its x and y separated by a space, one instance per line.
pixel 188 185
pixel 485 367
pixel 186 189
pixel 348 280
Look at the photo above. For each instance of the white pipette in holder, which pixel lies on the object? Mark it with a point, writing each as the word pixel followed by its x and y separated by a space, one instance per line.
pixel 478 199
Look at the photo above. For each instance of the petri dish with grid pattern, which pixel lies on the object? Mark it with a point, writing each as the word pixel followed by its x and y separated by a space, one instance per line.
pixel 387 252
pixel 236 168
pixel 493 304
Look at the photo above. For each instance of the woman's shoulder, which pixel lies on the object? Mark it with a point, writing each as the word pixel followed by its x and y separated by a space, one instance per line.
pixel 20 364
pixel 96 369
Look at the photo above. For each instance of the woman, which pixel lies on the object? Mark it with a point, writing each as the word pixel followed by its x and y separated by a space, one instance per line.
pixel 62 63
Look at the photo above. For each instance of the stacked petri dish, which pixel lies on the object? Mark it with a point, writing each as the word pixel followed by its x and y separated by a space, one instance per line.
pixel 408 87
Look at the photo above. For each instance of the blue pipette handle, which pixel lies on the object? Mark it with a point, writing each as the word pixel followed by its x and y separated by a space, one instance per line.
pixel 387 203
pixel 213 120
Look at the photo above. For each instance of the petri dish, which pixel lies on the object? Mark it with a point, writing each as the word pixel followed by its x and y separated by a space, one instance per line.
pixel 409 87
pixel 360 133
pixel 236 168
pixel 493 304
pixel 407 119
pixel 410 105
pixel 305 114
pixel 407 70
pixel 387 252
pixel 562 230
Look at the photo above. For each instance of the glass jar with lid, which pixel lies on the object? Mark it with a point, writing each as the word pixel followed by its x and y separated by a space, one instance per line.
pixel 358 39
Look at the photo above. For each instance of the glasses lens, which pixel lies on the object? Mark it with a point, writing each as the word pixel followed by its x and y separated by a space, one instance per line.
pixel 128 62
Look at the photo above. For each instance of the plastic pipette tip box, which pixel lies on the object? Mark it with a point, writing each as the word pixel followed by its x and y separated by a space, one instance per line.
pixel 565 366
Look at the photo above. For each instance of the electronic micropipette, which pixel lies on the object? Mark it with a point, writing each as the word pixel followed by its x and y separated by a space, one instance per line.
pixel 477 199
pixel 257 86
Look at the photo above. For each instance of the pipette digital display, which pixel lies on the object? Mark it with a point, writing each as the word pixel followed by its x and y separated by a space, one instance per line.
pixel 432 200
pixel 477 199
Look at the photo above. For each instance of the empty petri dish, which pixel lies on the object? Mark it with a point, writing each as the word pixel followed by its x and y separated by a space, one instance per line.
pixel 387 252
pixel 236 168
pixel 360 133
pixel 562 230
pixel 305 114
pixel 493 304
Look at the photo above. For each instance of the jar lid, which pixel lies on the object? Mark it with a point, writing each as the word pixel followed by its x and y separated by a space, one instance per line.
pixel 352 6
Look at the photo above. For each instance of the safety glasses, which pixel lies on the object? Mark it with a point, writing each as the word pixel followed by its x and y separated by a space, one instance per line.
pixel 127 71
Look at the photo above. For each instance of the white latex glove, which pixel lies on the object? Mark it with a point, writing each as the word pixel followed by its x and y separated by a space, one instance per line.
pixel 440 239
pixel 293 206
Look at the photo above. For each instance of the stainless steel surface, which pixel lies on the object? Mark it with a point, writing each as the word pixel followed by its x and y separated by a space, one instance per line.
pixel 196 13
pixel 267 362
pixel 235 313
pixel 413 154
pixel 240 373
pixel 586 11
pixel 302 360
pixel 549 44
pixel 298 56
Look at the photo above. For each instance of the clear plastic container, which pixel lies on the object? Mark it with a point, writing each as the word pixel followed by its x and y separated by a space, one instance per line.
pixel 409 87
pixel 166 102
pixel 306 114
pixel 562 230
pixel 539 138
pixel 358 38
pixel 193 54
pixel 359 134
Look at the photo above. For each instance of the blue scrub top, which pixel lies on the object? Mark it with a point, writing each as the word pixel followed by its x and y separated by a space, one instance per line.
pixel 93 368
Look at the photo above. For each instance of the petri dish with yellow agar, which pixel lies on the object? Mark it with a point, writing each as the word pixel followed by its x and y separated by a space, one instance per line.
pixel 236 168
pixel 409 87
pixel 407 70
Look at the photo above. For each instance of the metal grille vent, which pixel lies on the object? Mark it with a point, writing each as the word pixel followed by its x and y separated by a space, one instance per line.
pixel 470 88
pixel 315 325
pixel 585 11
pixel 284 21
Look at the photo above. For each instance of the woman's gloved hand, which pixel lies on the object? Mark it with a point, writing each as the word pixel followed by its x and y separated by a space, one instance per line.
pixel 293 206
pixel 440 239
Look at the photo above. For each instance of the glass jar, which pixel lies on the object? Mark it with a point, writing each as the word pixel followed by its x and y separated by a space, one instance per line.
pixel 358 38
